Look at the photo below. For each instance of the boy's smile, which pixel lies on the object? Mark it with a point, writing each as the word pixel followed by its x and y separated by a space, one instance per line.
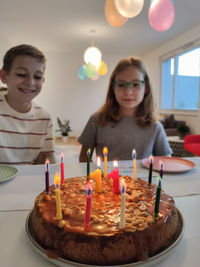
pixel 24 82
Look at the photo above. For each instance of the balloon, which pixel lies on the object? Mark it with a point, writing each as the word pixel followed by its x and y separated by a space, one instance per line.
pixel 113 17
pixel 102 70
pixel 90 70
pixel 81 72
pixel 95 77
pixel 129 8
pixel 93 55
pixel 161 14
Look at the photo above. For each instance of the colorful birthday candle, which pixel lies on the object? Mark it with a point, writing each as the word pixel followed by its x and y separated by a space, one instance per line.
pixel 57 192
pixel 161 169
pixel 88 162
pixel 47 176
pixel 134 165
pixel 150 169
pixel 123 203
pixel 115 176
pixel 88 206
pixel 97 176
pixel 62 168
pixel 158 193
pixel 105 153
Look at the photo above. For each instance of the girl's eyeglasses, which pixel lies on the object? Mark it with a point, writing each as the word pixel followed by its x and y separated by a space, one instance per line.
pixel 133 85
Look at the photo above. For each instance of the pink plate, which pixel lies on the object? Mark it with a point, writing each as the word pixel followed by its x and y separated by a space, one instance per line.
pixel 170 164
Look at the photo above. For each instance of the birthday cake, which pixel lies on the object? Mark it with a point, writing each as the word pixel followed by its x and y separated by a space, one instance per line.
pixel 104 242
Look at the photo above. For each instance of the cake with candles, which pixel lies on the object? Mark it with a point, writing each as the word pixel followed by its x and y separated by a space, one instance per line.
pixel 75 222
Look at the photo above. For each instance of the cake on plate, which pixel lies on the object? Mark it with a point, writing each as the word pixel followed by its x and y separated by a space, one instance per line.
pixel 105 242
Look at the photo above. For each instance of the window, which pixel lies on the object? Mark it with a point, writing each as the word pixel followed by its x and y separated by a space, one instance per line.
pixel 181 80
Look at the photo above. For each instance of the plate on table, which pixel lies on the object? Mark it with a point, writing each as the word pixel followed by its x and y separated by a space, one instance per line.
pixel 7 173
pixel 67 263
pixel 170 164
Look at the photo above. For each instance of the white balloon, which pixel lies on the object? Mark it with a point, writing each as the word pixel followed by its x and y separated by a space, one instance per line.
pixel 129 8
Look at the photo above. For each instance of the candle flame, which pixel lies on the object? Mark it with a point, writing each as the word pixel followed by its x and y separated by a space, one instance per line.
pixel 47 161
pixel 115 164
pixel 89 151
pixel 105 151
pixel 98 162
pixel 151 158
pixel 57 179
pixel 61 155
pixel 134 154
pixel 161 164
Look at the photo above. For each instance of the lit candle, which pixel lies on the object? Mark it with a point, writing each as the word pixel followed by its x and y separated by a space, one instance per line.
pixel 161 169
pixel 62 168
pixel 123 203
pixel 47 176
pixel 150 169
pixel 115 176
pixel 134 165
pixel 88 206
pixel 57 191
pixel 88 162
pixel 158 193
pixel 97 176
pixel 105 153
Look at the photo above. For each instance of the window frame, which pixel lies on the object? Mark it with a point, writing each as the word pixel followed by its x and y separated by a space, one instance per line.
pixel 176 52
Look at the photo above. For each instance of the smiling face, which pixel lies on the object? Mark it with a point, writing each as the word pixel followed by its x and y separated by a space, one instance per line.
pixel 129 98
pixel 24 81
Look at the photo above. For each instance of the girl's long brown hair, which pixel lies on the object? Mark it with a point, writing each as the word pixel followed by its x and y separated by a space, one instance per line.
pixel 144 113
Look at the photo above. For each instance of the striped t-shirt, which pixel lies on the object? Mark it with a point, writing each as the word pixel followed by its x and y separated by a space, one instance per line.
pixel 24 135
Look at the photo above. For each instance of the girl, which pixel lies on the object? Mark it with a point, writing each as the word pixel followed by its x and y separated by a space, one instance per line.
pixel 126 121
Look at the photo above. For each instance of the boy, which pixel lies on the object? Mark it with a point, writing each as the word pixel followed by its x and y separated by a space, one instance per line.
pixel 26 131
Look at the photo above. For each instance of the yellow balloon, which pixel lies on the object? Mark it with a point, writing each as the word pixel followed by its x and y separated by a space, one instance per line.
pixel 113 17
pixel 102 70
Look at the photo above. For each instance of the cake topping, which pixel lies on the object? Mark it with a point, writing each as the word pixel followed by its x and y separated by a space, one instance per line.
pixel 105 206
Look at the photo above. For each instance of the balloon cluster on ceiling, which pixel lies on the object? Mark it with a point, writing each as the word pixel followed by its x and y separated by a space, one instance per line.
pixel 94 66
pixel 161 16
pixel 161 13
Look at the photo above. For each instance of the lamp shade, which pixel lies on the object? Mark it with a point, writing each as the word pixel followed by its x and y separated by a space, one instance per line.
pixel 93 55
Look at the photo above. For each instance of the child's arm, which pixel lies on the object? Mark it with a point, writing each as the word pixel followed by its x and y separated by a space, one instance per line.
pixel 43 156
pixel 83 154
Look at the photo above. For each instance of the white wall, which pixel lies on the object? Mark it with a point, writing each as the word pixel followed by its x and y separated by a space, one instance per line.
pixel 152 63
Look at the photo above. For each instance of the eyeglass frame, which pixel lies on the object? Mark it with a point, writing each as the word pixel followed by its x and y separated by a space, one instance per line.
pixel 128 84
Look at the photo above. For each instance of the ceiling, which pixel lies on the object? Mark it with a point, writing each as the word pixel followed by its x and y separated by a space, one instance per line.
pixel 64 25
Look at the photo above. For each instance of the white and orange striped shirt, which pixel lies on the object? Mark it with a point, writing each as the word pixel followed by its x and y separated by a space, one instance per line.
pixel 24 135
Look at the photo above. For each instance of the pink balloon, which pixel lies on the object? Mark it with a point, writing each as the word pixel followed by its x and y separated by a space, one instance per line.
pixel 161 14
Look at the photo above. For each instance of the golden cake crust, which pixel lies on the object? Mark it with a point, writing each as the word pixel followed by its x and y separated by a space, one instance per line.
pixel 105 243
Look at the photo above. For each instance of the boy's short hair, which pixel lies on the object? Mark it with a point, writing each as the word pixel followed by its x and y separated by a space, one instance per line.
pixel 21 50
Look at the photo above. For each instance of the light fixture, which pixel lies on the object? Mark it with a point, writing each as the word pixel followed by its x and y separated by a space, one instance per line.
pixel 93 55
pixel 94 66
pixel 161 12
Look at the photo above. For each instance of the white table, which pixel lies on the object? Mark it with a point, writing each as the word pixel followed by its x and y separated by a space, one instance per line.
pixel 17 198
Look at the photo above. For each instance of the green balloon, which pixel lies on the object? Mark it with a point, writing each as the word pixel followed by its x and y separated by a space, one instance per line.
pixel 90 70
